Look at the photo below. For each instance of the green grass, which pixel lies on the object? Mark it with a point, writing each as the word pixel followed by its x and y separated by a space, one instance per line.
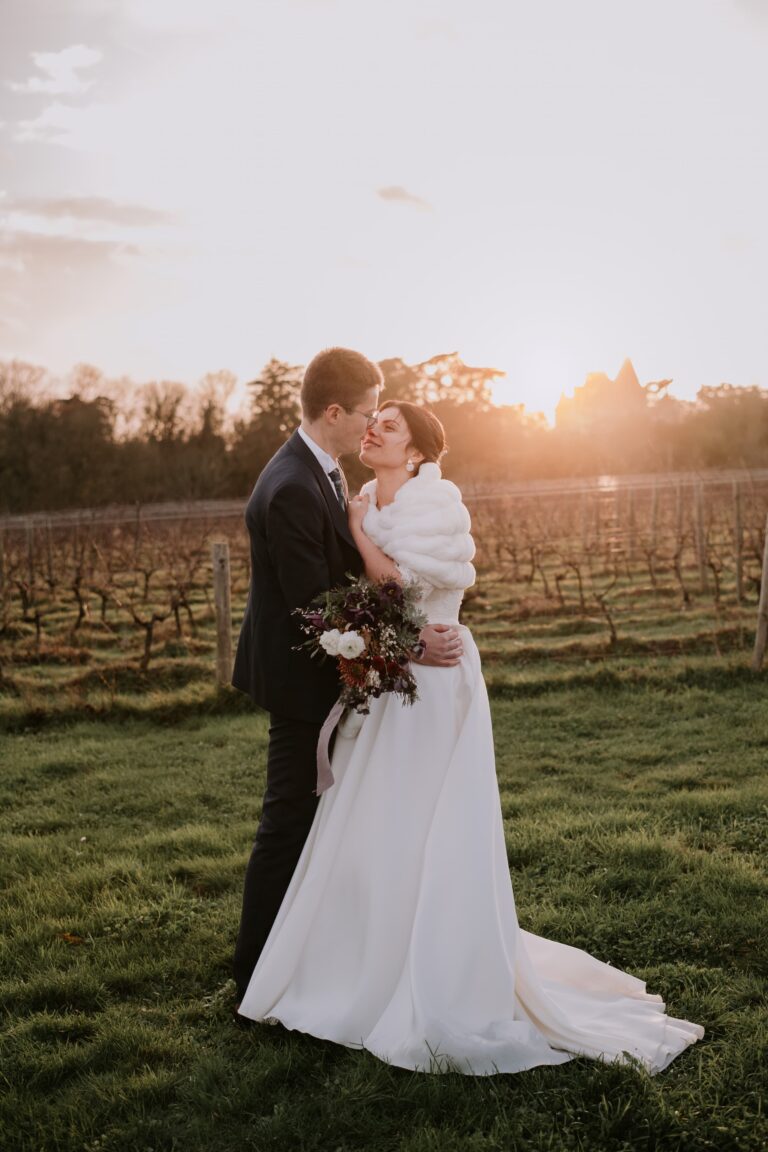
pixel 636 812
pixel 633 787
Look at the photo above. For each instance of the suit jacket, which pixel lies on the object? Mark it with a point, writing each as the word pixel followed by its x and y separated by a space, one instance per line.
pixel 301 546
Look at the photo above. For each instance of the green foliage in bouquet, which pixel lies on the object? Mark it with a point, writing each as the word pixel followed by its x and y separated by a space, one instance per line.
pixel 371 628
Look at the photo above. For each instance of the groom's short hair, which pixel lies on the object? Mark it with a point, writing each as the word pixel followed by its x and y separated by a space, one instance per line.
pixel 337 376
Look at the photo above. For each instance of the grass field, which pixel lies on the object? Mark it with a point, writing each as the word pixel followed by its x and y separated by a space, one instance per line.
pixel 636 813
pixel 632 770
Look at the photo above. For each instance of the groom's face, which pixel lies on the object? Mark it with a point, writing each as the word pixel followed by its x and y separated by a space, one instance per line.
pixel 353 423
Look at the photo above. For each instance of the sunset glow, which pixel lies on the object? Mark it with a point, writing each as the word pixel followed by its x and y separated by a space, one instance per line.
pixel 550 189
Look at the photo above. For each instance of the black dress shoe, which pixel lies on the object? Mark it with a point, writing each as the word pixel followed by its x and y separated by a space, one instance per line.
pixel 243 1022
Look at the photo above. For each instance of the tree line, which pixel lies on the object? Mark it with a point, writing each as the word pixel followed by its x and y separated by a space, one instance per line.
pixel 88 440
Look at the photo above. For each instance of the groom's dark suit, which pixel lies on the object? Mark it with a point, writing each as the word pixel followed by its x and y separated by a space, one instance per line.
pixel 301 545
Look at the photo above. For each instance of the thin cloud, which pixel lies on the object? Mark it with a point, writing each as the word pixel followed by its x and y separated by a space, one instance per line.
pixel 82 127
pixel 60 71
pixel 47 281
pixel 396 194
pixel 21 250
pixel 88 208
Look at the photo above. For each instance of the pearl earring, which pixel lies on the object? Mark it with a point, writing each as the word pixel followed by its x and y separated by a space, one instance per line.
pixel 410 466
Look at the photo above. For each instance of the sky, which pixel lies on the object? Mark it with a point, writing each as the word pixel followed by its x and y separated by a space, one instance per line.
pixel 546 187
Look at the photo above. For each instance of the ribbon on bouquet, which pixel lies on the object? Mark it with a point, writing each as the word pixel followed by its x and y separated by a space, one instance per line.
pixel 324 773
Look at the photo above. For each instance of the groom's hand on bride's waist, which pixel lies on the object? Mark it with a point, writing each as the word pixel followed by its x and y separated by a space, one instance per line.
pixel 442 646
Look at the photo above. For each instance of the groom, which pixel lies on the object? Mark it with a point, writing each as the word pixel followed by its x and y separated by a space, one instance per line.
pixel 301 546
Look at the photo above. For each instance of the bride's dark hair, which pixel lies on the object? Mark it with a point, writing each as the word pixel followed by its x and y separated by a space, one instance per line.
pixel 427 433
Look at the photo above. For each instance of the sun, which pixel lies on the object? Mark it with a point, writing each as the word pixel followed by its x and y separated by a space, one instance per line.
pixel 537 381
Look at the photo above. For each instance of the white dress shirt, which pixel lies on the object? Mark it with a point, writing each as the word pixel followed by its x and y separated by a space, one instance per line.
pixel 326 461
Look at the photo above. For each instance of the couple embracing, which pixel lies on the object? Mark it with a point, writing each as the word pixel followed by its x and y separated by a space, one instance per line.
pixel 380 915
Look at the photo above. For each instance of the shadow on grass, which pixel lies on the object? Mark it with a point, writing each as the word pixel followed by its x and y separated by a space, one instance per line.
pixel 157 697
pixel 158 706
pixel 629 679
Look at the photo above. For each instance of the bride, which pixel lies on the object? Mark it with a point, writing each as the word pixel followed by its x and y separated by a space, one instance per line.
pixel 398 932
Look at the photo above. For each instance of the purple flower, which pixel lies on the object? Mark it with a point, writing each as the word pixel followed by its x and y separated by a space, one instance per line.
pixel 390 592
pixel 360 616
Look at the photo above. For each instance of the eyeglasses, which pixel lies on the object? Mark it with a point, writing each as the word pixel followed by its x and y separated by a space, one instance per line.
pixel 370 417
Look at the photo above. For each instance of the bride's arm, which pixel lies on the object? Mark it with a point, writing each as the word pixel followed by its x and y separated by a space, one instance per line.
pixel 378 566
pixel 439 645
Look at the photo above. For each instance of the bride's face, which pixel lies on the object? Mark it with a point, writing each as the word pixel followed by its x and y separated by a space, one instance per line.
pixel 387 443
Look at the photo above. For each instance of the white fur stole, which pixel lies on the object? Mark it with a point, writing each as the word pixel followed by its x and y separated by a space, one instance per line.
pixel 425 529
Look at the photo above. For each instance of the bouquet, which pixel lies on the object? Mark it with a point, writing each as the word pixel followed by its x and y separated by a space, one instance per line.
pixel 371 628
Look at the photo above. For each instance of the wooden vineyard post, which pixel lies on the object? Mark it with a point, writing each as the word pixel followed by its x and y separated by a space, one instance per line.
pixel 631 524
pixel 137 530
pixel 49 552
pixel 654 515
pixel 583 525
pixel 31 552
pixel 223 605
pixel 616 512
pixel 701 541
pixel 738 542
pixel 679 508
pixel 762 611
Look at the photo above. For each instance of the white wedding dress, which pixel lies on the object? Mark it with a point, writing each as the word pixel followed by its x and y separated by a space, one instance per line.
pixel 398 932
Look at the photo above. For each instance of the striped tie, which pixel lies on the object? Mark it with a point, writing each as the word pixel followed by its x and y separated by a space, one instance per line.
pixel 335 478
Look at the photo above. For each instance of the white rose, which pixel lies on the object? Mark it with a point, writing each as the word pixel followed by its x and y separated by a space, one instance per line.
pixel 330 641
pixel 351 644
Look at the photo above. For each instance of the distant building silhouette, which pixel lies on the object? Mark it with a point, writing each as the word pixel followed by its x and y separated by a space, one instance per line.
pixel 602 404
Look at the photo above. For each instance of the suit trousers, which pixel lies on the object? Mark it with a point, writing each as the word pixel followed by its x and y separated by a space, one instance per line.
pixel 288 810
